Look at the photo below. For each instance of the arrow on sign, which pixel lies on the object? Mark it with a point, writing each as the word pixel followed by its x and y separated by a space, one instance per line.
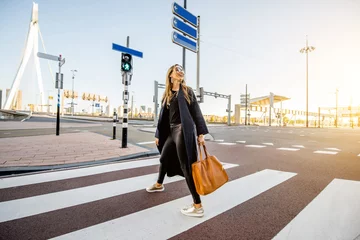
pixel 184 42
pixel 184 28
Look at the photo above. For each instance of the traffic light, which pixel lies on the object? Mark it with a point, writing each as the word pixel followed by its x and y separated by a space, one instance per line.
pixel 201 94
pixel 126 63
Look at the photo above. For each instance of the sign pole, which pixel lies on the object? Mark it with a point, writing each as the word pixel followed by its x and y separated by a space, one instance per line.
pixel 126 98
pixel 184 51
pixel 198 61
pixel 58 103
pixel 246 104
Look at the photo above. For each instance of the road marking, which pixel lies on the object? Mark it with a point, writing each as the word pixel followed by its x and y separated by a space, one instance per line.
pixel 302 135
pixel 333 149
pixel 255 146
pixel 219 140
pixel 144 143
pixel 288 149
pixel 359 155
pixel 225 143
pixel 7 133
pixel 152 219
pixel 19 208
pixel 241 141
pixel 333 214
pixel 269 144
pixel 73 173
pixel 298 146
pixel 326 152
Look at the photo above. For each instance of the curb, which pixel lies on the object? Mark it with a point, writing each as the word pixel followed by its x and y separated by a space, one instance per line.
pixel 6 171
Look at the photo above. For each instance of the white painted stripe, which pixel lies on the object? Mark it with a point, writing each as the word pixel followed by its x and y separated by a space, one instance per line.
pixel 219 140
pixel 359 155
pixel 241 141
pixel 73 173
pixel 165 221
pixel 7 133
pixel 225 143
pixel 255 146
pixel 333 149
pixel 30 206
pixel 326 152
pixel 298 146
pixel 333 214
pixel 144 143
pixel 269 144
pixel 302 135
pixel 288 149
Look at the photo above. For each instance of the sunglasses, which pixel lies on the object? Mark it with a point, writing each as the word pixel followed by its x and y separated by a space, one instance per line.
pixel 179 69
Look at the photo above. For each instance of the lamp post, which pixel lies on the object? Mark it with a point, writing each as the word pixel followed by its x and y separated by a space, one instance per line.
pixel 72 97
pixel 306 50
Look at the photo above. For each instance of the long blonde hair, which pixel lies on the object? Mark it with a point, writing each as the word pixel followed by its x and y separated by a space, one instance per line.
pixel 168 95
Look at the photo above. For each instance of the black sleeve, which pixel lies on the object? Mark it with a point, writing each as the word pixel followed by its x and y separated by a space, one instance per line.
pixel 196 114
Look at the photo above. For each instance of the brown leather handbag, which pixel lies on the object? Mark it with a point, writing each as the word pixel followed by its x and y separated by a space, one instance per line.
pixel 208 173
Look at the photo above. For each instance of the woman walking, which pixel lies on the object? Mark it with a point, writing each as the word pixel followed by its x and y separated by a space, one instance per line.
pixel 175 136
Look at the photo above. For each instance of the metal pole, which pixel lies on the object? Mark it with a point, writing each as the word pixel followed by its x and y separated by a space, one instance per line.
pixel 336 117
pixel 198 61
pixel 229 111
pixel 126 98
pixel 155 102
pixel 246 105
pixel 132 105
pixel 114 125
pixel 319 118
pixel 184 53
pixel 72 100
pixel 58 104
pixel 307 86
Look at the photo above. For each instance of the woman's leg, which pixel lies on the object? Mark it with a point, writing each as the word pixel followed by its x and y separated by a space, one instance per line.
pixel 168 148
pixel 181 151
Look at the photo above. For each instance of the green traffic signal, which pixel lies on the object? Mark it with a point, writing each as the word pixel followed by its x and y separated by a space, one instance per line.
pixel 126 67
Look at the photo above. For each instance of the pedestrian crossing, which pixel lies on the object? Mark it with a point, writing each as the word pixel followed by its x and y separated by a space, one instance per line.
pixel 132 213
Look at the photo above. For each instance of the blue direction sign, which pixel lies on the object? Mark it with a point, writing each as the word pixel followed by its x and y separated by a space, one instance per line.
pixel 184 14
pixel 130 51
pixel 184 41
pixel 184 28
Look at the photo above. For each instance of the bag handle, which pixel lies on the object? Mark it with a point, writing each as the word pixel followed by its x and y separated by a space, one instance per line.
pixel 205 150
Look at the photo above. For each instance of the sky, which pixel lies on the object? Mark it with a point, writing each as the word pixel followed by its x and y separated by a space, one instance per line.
pixel 253 42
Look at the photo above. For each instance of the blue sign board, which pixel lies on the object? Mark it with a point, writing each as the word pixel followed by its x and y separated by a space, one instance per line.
pixel 184 41
pixel 184 14
pixel 97 104
pixel 184 28
pixel 127 50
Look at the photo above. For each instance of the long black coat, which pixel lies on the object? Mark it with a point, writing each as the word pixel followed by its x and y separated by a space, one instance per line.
pixel 191 120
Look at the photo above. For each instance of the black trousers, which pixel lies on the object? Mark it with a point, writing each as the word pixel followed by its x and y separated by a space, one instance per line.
pixel 175 142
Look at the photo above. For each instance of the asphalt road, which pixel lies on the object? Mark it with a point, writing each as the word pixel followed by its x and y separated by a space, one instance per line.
pixel 287 183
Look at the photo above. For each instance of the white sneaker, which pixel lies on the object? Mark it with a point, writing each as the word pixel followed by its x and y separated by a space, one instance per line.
pixel 154 188
pixel 192 211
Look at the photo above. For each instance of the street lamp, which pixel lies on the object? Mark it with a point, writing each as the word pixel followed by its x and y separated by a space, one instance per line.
pixel 306 50
pixel 72 97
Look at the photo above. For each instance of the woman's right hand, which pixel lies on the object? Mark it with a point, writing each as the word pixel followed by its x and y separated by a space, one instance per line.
pixel 157 141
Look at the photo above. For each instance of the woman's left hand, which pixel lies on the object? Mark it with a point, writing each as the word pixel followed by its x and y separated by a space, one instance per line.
pixel 201 139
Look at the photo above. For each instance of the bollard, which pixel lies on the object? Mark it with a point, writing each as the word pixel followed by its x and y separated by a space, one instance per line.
pixel 114 124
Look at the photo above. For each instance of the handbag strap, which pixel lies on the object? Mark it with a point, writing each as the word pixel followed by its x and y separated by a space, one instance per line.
pixel 205 150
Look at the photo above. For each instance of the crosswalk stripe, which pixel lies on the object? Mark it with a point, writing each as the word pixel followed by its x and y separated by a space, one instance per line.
pixel 328 215
pixel 288 149
pixel 298 146
pixel 333 149
pixel 30 206
pixel 73 173
pixel 269 144
pixel 326 152
pixel 241 141
pixel 226 143
pixel 144 143
pixel 255 146
pixel 152 219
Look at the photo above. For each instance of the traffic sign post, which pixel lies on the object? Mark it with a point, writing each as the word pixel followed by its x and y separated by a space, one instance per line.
pixel 127 72
pixel 192 31
pixel 59 83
